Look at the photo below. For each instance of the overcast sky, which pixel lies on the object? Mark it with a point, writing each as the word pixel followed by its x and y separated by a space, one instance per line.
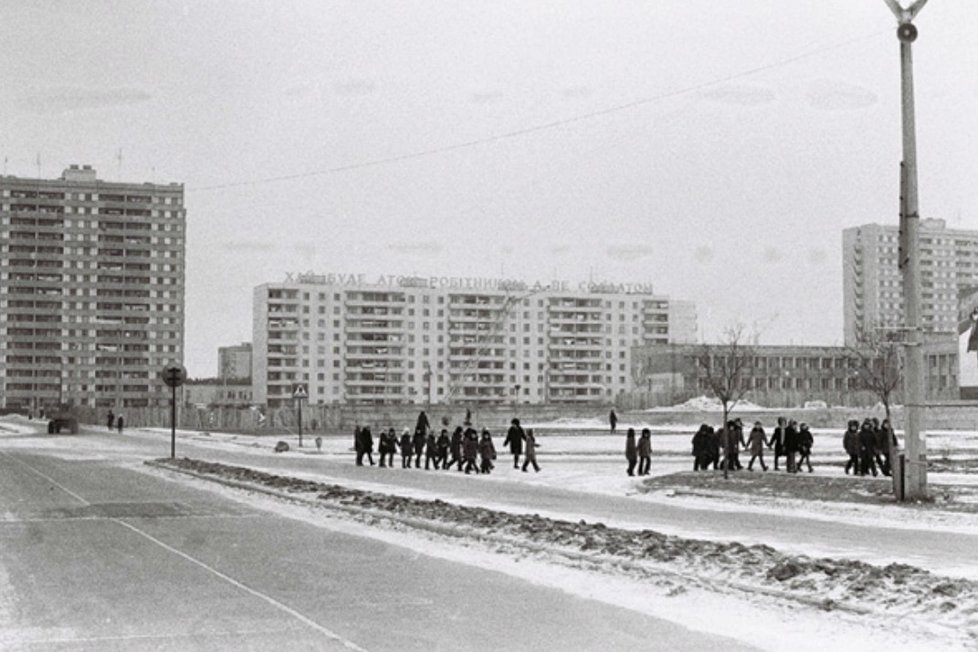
pixel 713 149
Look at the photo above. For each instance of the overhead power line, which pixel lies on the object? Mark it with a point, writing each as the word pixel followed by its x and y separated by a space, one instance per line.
pixel 543 126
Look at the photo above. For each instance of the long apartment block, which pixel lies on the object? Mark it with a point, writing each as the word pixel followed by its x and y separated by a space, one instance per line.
pixel 419 340
pixel 92 302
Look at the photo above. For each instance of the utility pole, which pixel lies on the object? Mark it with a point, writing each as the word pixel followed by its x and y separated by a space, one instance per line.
pixel 915 477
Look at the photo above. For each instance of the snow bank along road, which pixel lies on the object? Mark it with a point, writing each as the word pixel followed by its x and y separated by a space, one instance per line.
pixel 513 492
pixel 96 555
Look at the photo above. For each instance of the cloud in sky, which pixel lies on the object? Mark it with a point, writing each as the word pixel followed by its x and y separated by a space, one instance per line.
pixel 354 87
pixel 833 95
pixel 629 252
pixel 66 98
pixel 740 95
pixel 416 248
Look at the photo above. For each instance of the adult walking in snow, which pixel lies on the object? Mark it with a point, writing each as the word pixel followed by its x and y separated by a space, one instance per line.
pixel 514 439
pixel 531 451
pixel 777 440
pixel 631 451
pixel 119 422
pixel 850 442
pixel 756 441
pixel 701 447
pixel 422 424
pixel 792 442
pixel 613 420
pixel 886 443
pixel 382 444
pixel 367 444
pixel 110 421
pixel 645 452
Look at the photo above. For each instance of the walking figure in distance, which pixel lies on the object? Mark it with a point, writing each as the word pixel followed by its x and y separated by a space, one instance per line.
pixel 756 441
pixel 631 451
pixel 645 452
pixel 805 443
pixel 514 439
pixel 531 451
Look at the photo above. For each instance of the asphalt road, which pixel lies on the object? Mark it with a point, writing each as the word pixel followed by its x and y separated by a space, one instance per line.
pixel 95 555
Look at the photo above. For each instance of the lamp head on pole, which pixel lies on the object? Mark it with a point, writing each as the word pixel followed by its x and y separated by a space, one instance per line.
pixel 905 14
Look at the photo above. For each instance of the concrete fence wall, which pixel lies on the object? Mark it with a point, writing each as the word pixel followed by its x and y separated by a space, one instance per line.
pixel 958 415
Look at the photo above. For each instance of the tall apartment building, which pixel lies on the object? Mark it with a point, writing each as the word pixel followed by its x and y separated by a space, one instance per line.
pixel 440 340
pixel 92 277
pixel 873 284
pixel 234 362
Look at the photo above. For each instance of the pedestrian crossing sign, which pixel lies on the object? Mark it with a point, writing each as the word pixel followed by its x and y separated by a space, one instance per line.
pixel 300 392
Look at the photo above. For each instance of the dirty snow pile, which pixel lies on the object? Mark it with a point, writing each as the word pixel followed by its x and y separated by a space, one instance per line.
pixel 947 606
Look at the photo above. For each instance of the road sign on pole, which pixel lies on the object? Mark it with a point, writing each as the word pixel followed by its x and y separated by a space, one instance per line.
pixel 173 375
pixel 300 393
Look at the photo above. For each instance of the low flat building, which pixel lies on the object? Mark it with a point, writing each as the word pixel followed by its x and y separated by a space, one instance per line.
pixel 782 376
pixel 217 393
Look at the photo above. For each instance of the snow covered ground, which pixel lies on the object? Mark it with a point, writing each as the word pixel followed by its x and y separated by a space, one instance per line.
pixel 581 456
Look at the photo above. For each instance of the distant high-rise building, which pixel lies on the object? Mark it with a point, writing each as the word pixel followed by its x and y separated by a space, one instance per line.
pixel 92 301
pixel 234 362
pixel 873 284
pixel 447 339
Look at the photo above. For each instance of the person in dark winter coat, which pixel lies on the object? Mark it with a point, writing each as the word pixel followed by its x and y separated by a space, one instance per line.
pixel 110 421
pixel 850 442
pixel 701 448
pixel 713 441
pixel 805 443
pixel 430 451
pixel 358 445
pixel 756 442
pixel 455 448
pixel 792 442
pixel 423 425
pixel 645 452
pixel 514 439
pixel 470 450
pixel 631 451
pixel 119 422
pixel 613 420
pixel 531 451
pixel 442 446
pixel 777 440
pixel 382 448
pixel 418 440
pixel 366 446
pixel 737 429
pixel 487 452
pixel 867 449
pixel 391 447
pixel 886 443
pixel 407 448
pixel 729 441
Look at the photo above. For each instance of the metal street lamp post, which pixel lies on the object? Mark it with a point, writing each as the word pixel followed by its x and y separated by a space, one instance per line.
pixel 915 479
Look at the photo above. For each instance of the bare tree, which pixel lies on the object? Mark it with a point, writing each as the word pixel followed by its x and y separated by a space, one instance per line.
pixel 727 372
pixel 877 363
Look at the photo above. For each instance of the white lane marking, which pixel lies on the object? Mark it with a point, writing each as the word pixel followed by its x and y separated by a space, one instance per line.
pixel 258 594
pixel 49 479
pixel 230 580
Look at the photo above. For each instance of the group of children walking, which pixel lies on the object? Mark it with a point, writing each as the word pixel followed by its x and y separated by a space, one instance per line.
pixel 466 449
pixel 721 447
